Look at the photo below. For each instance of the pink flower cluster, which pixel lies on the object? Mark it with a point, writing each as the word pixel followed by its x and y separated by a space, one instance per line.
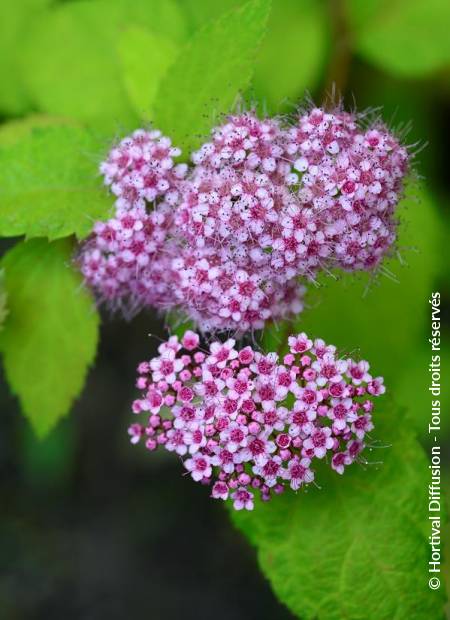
pixel 226 241
pixel 243 421
pixel 128 259
pixel 353 179
pixel 141 168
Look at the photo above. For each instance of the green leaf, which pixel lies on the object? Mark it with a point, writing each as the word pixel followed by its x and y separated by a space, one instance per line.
pixel 13 19
pixel 412 383
pixel 200 12
pixel 48 463
pixel 145 58
pixel 406 37
pixel 49 184
pixel 293 54
pixel 3 299
pixel 50 335
pixel 14 130
pixel 70 62
pixel 384 319
pixel 209 74
pixel 357 546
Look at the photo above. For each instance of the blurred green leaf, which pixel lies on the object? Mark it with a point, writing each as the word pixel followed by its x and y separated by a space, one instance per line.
pixel 200 12
pixel 49 184
pixel 145 58
pixel 358 14
pixel 15 130
pixel 405 37
pixel 3 299
pixel 14 17
pixel 293 53
pixel 412 383
pixel 209 73
pixel 50 335
pixel 70 63
pixel 356 546
pixel 48 462
pixel 384 319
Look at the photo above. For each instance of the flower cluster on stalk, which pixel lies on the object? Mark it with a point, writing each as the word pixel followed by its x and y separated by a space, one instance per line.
pixel 243 421
pixel 230 240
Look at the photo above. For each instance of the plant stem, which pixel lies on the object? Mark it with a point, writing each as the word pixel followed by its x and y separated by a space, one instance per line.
pixel 341 53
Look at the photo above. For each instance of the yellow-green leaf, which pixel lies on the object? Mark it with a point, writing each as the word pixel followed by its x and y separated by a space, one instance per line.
pixel 145 58
pixel 293 54
pixel 70 62
pixel 209 73
pixel 49 183
pixel 50 335
pixel 405 37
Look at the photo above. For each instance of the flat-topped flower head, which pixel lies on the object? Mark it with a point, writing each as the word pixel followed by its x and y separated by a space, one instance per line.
pixel 141 169
pixel 230 206
pixel 127 260
pixel 244 141
pixel 229 241
pixel 353 176
pixel 243 421
pixel 219 295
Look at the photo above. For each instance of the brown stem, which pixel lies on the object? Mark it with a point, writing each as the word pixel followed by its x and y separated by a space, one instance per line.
pixel 338 71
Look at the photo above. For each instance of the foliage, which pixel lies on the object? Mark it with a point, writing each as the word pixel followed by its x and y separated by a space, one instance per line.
pixel 294 25
pixel 48 183
pixel 14 17
pixel 3 300
pixel 50 335
pixel 83 80
pixel 209 73
pixel 410 39
pixel 145 58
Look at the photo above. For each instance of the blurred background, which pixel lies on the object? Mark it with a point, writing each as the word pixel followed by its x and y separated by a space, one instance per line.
pixel 93 528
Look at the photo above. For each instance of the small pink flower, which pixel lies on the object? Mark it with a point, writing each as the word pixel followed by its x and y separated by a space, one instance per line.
pixel 224 459
pixel 176 441
pixel 199 467
pixel 269 471
pixel 341 413
pixel 190 340
pixel 357 372
pixel 246 355
pixel 242 498
pixel 300 343
pixel 362 425
pixel 135 431
pixel 339 461
pixel 221 353
pixel 319 442
pixel 220 490
pixel 298 472
pixel 301 421
pixel 166 367
pixel 195 440
pixel 234 436
pixel 376 387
